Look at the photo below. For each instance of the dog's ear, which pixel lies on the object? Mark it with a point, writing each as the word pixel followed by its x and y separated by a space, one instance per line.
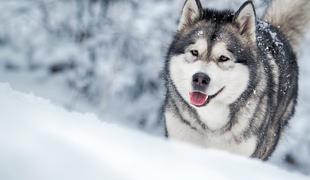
pixel 192 10
pixel 245 19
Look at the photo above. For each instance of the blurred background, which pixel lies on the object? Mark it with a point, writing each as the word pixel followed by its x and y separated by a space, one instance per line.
pixel 105 57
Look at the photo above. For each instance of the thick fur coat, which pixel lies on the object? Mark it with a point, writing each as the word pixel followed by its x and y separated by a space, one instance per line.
pixel 232 78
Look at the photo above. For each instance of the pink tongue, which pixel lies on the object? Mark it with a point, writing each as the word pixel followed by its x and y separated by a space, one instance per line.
pixel 198 99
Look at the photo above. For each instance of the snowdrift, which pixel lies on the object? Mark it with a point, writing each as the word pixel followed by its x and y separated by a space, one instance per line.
pixel 39 140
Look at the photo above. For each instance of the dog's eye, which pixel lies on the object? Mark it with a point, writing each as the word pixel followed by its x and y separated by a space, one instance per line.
pixel 223 59
pixel 195 53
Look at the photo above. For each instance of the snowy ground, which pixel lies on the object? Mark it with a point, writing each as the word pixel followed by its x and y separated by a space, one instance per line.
pixel 39 140
pixel 84 56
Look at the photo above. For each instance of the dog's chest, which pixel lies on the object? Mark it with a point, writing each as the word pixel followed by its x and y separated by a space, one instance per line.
pixel 232 144
pixel 228 141
pixel 215 116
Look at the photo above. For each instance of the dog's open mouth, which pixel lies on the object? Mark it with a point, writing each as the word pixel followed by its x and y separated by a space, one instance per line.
pixel 200 99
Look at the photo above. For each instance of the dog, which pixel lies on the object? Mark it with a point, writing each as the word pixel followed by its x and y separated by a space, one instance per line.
pixel 232 78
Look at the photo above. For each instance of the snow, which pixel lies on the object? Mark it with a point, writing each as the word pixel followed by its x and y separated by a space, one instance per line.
pixel 39 140
pixel 88 57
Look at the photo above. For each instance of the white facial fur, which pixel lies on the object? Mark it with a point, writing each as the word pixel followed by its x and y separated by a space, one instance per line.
pixel 234 77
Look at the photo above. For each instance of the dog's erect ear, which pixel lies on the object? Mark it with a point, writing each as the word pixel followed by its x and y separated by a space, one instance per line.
pixel 245 19
pixel 192 9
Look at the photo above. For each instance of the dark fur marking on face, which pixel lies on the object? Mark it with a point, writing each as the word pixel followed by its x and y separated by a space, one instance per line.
pixel 213 17
pixel 182 41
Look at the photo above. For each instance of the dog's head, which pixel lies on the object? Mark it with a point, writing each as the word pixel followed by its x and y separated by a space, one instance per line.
pixel 209 59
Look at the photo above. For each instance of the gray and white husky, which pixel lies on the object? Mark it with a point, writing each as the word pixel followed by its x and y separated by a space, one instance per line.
pixel 232 78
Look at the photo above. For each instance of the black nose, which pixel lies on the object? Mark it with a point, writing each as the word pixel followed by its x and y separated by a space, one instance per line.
pixel 200 81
